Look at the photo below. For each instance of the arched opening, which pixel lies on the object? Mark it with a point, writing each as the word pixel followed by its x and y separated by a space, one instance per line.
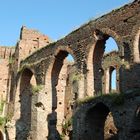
pixel 113 83
pixel 111 45
pixel 59 79
pixel 137 48
pixel 100 124
pixel 70 58
pixel 23 124
pixel 105 45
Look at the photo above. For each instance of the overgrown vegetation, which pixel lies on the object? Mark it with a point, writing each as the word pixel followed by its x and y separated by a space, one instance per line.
pixel 66 128
pixel 11 60
pixel 1 106
pixel 75 77
pixel 37 88
pixel 85 100
pixel 2 121
pixel 115 98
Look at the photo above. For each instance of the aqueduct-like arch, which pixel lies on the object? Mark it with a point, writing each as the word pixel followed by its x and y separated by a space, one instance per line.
pixel 89 71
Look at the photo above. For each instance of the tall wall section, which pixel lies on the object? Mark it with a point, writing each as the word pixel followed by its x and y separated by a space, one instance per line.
pixel 86 45
pixel 5 59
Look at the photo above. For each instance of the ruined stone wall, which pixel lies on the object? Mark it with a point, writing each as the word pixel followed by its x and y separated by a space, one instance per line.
pixel 89 40
pixel 92 115
pixel 5 59
pixel 86 44
pixel 111 61
pixel 30 40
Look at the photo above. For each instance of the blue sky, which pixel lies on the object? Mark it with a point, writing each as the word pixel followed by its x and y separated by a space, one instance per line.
pixel 55 18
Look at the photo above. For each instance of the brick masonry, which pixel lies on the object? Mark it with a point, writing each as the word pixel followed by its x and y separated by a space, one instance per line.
pixel 38 109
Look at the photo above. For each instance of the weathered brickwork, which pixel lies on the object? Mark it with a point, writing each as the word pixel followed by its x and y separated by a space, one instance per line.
pixel 90 119
pixel 5 60
pixel 44 89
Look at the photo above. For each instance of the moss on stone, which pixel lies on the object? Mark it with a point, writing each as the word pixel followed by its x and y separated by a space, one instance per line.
pixel 115 98
pixel 37 88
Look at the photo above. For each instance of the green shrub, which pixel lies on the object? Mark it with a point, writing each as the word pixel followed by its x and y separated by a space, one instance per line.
pixel 1 106
pixel 36 89
pixel 2 121
pixel 116 98
pixel 66 126
pixel 75 77
pixel 85 100
pixel 11 60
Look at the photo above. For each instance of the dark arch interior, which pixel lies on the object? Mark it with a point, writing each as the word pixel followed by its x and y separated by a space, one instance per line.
pixel 25 104
pixel 98 53
pixel 95 123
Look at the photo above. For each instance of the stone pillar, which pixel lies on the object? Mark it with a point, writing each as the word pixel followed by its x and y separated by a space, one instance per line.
pixel 107 81
pixel 81 86
pixel 43 108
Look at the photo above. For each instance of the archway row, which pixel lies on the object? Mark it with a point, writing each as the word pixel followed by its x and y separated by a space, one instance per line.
pixel 104 44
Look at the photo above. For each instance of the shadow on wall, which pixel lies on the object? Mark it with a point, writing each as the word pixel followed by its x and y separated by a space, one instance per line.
pixel 53 134
pixel 23 124
pixel 135 125
pixel 99 124
pixel 129 77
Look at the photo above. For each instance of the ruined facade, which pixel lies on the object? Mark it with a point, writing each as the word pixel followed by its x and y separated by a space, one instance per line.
pixel 45 90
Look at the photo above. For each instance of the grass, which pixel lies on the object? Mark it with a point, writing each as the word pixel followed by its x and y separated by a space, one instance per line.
pixel 65 126
pixel 37 88
pixel 85 100
pixel 75 77
pixel 115 98
pixel 1 106
pixel 2 121
pixel 11 60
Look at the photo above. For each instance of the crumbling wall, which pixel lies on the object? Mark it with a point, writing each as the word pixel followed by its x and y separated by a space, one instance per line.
pixel 111 60
pixel 91 117
pixel 5 59
pixel 86 44
pixel 30 40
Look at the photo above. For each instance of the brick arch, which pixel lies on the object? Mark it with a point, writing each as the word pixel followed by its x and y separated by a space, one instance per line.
pixel 66 49
pixel 60 55
pixel 95 56
pixel 23 102
pixel 112 34
pixel 56 52
pixel 26 77
pixel 26 68
pixel 55 84
pixel 52 62
pixel 111 59
pixel 99 123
